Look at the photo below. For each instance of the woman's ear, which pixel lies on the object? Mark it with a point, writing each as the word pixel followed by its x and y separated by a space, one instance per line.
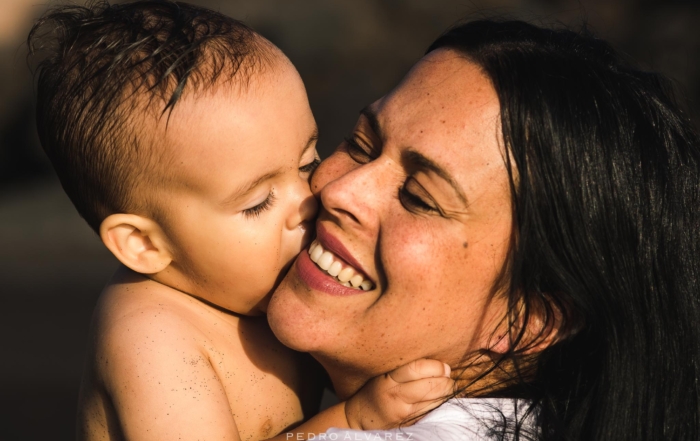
pixel 542 328
pixel 138 242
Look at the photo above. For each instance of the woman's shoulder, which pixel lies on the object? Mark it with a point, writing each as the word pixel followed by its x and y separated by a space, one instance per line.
pixel 460 419
pixel 480 418
pixel 468 409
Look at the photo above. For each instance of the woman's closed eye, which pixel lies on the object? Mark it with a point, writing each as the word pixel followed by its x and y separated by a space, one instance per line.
pixel 416 199
pixel 254 212
pixel 359 150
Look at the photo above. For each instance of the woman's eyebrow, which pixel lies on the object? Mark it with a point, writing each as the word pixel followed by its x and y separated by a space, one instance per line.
pixel 372 120
pixel 413 159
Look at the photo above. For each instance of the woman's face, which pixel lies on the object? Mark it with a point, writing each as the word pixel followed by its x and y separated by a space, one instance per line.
pixel 417 201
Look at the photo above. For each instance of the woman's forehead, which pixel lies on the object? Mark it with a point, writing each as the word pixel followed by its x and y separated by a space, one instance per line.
pixel 444 93
pixel 446 108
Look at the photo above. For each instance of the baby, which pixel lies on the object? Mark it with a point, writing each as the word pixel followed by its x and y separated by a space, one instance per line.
pixel 186 141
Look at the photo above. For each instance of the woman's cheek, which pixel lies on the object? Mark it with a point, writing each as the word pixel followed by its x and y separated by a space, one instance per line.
pixel 415 253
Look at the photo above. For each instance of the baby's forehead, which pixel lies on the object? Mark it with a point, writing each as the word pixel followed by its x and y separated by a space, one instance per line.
pixel 199 105
pixel 224 138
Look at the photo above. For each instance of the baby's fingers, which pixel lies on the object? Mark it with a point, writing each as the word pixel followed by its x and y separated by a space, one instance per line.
pixel 421 368
pixel 425 389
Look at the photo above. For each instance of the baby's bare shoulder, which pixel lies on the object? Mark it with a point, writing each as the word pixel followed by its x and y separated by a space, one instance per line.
pixel 128 311
pixel 130 340
pixel 149 357
pixel 139 323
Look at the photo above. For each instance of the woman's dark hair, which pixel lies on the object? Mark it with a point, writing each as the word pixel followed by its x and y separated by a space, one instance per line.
pixel 605 176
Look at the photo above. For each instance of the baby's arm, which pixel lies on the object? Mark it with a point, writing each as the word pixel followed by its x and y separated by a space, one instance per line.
pixel 160 383
pixel 385 401
pixel 408 391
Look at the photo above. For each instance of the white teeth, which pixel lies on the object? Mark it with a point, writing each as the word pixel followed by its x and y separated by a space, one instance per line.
pixel 316 253
pixel 356 280
pixel 346 276
pixel 335 268
pixel 325 261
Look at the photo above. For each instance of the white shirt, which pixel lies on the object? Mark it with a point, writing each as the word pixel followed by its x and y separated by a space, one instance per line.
pixel 458 419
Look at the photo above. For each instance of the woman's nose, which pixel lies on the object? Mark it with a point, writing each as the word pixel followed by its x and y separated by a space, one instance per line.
pixel 357 192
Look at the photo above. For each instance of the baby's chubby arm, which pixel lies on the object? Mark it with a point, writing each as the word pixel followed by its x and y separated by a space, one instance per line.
pixel 385 401
pixel 160 382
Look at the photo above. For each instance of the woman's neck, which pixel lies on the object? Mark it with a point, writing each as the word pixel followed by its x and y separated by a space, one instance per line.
pixel 346 380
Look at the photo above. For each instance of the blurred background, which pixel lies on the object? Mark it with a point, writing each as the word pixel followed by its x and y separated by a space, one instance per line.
pixel 349 53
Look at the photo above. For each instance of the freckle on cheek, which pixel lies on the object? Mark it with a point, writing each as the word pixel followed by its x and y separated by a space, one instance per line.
pixel 464 245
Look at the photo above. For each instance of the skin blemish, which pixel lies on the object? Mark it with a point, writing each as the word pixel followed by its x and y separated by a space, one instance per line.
pixel 266 428
pixel 464 245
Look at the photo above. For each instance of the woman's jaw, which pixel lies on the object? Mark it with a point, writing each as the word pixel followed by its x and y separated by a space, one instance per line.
pixel 317 296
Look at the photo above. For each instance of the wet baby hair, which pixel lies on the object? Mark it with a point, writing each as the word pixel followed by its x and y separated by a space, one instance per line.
pixel 101 68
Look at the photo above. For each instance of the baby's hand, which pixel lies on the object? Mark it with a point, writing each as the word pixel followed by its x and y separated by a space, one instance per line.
pixel 389 399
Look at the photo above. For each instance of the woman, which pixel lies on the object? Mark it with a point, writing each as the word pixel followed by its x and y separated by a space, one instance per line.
pixel 525 205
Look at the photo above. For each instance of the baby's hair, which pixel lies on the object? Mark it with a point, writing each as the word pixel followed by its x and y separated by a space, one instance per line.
pixel 103 67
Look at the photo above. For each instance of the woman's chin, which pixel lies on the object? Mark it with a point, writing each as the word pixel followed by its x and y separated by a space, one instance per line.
pixel 290 318
pixel 308 309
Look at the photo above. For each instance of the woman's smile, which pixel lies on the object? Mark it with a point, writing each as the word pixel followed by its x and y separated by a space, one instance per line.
pixel 344 273
pixel 328 266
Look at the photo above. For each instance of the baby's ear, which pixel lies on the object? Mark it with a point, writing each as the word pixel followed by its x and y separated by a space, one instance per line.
pixel 138 242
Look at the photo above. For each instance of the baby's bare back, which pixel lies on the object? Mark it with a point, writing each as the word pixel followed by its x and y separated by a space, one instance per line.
pixel 162 365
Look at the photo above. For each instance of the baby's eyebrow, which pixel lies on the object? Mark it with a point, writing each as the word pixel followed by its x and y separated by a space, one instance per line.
pixel 312 140
pixel 250 185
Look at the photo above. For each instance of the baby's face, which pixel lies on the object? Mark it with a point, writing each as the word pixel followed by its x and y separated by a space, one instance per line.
pixel 238 208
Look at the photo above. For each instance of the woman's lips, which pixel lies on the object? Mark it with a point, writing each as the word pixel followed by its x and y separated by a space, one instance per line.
pixel 336 267
pixel 317 279
pixel 330 243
